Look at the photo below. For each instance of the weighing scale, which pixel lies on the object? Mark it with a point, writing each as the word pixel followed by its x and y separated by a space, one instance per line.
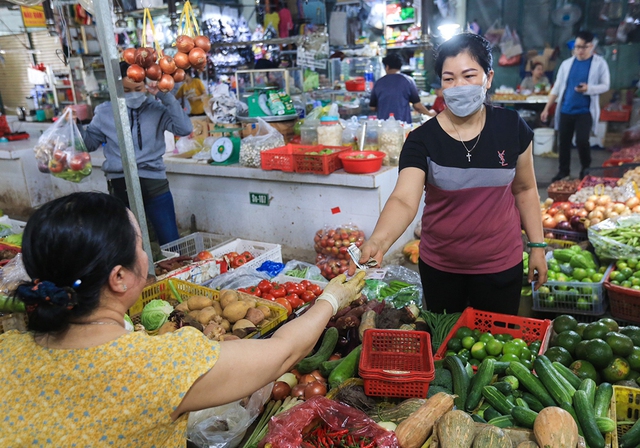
pixel 225 150
pixel 257 102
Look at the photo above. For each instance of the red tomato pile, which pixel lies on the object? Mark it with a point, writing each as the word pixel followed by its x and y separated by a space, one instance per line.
pixel 291 295
pixel 235 260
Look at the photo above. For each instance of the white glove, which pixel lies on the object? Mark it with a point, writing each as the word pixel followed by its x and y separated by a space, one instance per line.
pixel 340 293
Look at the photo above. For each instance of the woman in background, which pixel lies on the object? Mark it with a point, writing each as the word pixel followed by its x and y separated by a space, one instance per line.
pixel 193 90
pixel 537 77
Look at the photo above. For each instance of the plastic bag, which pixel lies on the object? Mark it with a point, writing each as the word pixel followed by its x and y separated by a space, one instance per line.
pixel 222 107
pixel 11 276
pixel 267 137
pixel 235 279
pixel 607 247
pixel 188 145
pixel 331 267
pixel 62 152
pixel 494 33
pixel 300 269
pixel 510 43
pixel 631 135
pixel 225 426
pixel 335 241
pixel 285 429
pixel 271 268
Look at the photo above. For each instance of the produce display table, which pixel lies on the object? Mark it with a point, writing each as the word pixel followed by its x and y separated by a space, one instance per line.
pixel 221 197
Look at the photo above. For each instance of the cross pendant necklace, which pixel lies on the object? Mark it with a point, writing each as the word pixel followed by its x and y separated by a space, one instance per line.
pixel 462 141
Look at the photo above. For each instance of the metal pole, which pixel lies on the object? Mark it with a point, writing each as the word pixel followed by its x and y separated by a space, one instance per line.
pixel 111 58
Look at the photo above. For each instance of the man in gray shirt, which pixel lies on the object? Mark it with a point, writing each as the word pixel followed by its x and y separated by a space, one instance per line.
pixel 394 92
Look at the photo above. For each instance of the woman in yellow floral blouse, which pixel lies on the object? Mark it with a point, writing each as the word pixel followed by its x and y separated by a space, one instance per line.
pixel 79 378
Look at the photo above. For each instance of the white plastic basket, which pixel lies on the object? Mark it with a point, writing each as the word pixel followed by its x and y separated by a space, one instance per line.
pixel 193 244
pixel 281 278
pixel 261 251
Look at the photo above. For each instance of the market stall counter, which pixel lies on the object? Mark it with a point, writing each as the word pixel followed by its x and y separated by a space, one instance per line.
pixel 232 200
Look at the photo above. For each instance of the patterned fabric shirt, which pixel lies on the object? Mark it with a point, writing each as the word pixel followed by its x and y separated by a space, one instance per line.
pixel 117 394
pixel 470 223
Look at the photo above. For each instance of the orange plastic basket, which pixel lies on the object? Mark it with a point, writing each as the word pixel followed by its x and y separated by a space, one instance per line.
pixel 305 162
pixel 281 158
pixel 396 363
pixel 519 327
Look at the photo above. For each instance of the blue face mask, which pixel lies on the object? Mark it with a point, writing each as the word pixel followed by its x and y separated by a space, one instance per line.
pixel 135 99
pixel 463 101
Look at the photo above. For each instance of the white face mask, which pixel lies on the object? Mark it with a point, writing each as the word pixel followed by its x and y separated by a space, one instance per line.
pixel 463 101
pixel 134 99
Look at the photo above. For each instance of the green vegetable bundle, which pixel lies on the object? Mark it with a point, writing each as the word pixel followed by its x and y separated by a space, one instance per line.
pixel 619 238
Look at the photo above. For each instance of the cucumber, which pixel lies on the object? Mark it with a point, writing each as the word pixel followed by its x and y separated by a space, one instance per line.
pixel 566 384
pixel 476 418
pixel 479 381
pixel 531 383
pixel 497 400
pixel 631 439
pixel 550 381
pixel 523 404
pixel 532 401
pixel 504 421
pixel 567 374
pixel 500 367
pixel 589 386
pixel 602 400
pixel 326 367
pixel 503 387
pixel 347 368
pixel 491 413
pixel 605 424
pixel 587 419
pixel 311 363
pixel 524 417
pixel 460 380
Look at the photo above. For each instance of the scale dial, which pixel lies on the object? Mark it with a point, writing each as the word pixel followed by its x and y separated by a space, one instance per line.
pixel 221 149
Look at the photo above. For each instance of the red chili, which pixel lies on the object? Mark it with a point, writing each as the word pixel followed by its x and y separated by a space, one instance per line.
pixel 338 433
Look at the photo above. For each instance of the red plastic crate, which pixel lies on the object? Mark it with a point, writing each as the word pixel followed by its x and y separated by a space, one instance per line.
pixel 396 363
pixel 281 158
pixel 624 302
pixel 318 164
pixel 519 327
pixel 590 181
pixel 616 115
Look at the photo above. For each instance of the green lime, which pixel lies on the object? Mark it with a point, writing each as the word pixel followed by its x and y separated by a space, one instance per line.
pixel 633 332
pixel 454 344
pixel 512 349
pixel 485 337
pixel 564 322
pixel 620 344
pixel 635 281
pixel 615 282
pixel 584 369
pixel 621 264
pixel 560 355
pixel 520 342
pixel 632 262
pixel 626 284
pixel 610 323
pixel 597 277
pixel 636 274
pixel 591 271
pixel 494 347
pixel 478 350
pixel 477 333
pixel 627 272
pixel 635 287
pixel 568 340
pixel 468 341
pixel 525 353
pixel 583 304
pixel 598 353
pixel 595 330
pixel 634 359
pixel 463 332
pixel 509 357
pixel 579 274
pixel 527 363
pixel 551 275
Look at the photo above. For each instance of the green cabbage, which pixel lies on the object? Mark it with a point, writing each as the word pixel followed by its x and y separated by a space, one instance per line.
pixel 155 314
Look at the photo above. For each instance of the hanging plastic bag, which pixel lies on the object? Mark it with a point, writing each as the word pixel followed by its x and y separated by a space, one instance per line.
pixel 287 430
pixel 266 137
pixel 510 47
pixel 225 426
pixel 62 152
pixel 494 33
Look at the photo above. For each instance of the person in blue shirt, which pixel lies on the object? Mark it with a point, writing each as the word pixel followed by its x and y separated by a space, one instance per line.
pixel 394 92
pixel 579 82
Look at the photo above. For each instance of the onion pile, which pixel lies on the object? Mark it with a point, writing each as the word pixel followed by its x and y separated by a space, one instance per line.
pixel 144 62
pixel 579 217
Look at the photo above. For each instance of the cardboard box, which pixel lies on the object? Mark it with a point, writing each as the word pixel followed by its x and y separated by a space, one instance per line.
pixel 283 127
pixel 200 127
pixel 548 59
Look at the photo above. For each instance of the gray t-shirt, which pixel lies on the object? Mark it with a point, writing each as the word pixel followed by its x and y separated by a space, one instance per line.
pixel 392 94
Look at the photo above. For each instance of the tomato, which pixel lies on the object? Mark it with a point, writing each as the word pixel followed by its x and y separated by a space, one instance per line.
pixel 293 300
pixel 77 162
pixel 268 296
pixel 243 290
pixel 316 289
pixel 231 255
pixel 85 156
pixel 254 291
pixel 285 303
pixel 265 286
pixel 293 288
pixel 56 166
pixel 237 262
pixel 278 291
pixel 305 284
pixel 60 155
pixel 204 255
pixel 307 296
pixel 247 255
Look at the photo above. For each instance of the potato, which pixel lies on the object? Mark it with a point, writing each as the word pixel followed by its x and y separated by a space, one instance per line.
pixel 194 315
pixel 243 327
pixel 198 302
pixel 227 296
pixel 235 311
pixel 228 337
pixel 265 310
pixel 216 305
pixel 226 325
pixel 254 315
pixel 184 307
pixel 167 327
pixel 206 315
pixel 249 299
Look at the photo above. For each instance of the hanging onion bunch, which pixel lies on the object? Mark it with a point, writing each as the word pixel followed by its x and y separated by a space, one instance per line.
pixel 192 52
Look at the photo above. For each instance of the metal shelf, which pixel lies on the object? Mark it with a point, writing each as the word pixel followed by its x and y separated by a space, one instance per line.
pixel 404 22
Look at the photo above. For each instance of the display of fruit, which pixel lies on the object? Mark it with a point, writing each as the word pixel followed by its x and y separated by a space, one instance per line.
pixel 626 273
pixel 601 350
pixel 235 260
pixel 145 62
pixel 568 270
pixel 335 242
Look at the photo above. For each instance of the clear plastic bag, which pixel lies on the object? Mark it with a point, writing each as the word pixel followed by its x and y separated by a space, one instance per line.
pixel 11 276
pixel 61 151
pixel 306 270
pixel 330 241
pixel 286 429
pixel 235 279
pixel 188 145
pixel 225 426
pixel 609 248
pixel 267 137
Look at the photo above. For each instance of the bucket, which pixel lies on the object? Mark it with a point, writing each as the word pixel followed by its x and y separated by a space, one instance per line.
pixel 543 140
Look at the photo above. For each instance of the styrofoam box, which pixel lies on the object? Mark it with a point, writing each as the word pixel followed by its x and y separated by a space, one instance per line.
pixel 261 251
pixel 195 243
